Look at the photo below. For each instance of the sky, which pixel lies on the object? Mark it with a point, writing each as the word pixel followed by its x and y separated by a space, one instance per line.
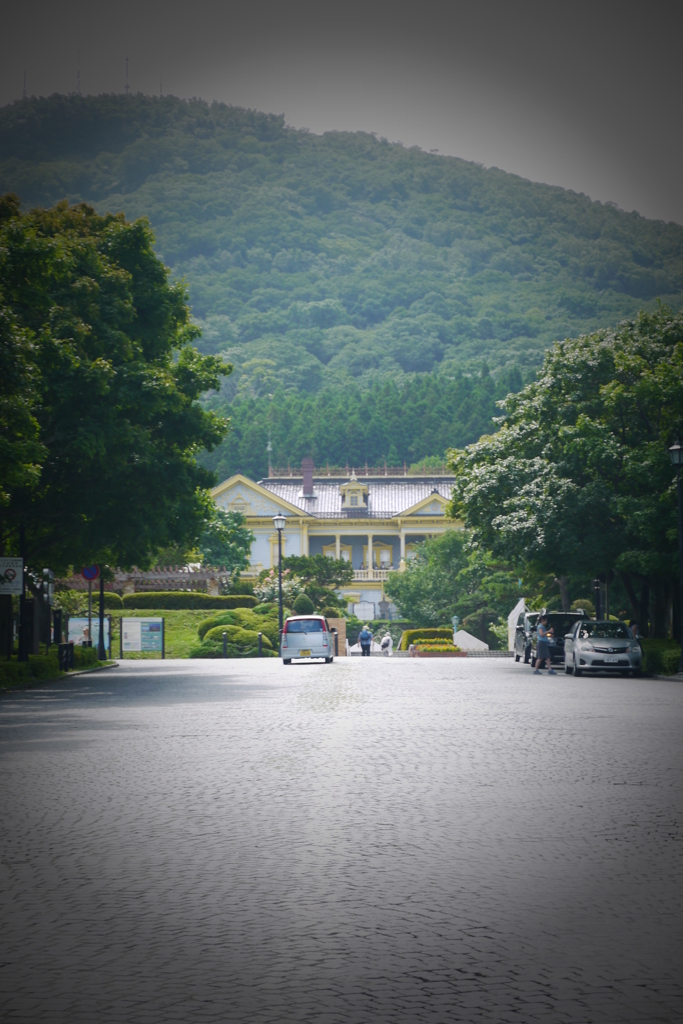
pixel 588 96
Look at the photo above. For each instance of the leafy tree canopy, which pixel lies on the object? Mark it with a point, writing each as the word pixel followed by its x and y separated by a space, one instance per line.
pixel 101 393
pixel 319 576
pixel 449 577
pixel 578 480
pixel 225 540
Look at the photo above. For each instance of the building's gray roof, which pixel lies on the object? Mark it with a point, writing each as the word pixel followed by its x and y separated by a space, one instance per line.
pixel 387 496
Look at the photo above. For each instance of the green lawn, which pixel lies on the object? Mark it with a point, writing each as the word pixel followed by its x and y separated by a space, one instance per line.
pixel 180 625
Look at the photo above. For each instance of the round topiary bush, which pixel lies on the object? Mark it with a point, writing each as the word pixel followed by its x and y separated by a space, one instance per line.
pixel 219 619
pixel 237 636
pixel 303 605
pixel 269 608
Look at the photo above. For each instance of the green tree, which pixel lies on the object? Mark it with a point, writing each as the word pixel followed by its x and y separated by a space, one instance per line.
pixel 225 540
pixel 320 576
pixel 449 577
pixel 427 592
pixel 111 382
pixel 577 480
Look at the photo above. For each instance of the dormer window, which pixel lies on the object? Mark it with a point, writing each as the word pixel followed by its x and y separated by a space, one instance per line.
pixel 354 493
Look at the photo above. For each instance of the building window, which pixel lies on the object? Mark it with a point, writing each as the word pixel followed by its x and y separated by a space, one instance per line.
pixel 353 500
pixel 330 550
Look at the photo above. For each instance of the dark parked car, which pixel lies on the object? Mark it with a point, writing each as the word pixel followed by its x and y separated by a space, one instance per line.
pixel 526 639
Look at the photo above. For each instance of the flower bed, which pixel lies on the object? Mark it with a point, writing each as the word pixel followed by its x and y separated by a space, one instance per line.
pixel 436 650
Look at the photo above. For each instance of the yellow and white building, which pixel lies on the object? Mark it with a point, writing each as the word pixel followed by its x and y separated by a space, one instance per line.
pixel 374 522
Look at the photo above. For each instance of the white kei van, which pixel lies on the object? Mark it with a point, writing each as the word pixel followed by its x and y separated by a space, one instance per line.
pixel 306 636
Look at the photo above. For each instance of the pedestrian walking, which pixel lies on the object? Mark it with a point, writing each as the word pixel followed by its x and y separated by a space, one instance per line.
pixel 633 626
pixel 387 644
pixel 365 641
pixel 543 646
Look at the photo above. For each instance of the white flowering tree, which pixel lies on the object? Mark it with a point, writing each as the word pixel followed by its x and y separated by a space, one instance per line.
pixel 267 587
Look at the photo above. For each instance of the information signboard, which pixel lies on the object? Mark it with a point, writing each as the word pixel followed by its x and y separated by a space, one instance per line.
pixel 11 575
pixel 78 631
pixel 142 635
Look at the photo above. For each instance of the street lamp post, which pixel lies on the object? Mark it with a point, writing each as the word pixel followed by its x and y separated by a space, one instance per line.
pixel 676 455
pixel 279 524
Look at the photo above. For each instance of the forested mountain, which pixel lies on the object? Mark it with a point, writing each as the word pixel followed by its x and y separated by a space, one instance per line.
pixel 316 262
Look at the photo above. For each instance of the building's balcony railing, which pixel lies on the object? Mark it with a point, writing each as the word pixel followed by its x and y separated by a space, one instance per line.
pixel 371 574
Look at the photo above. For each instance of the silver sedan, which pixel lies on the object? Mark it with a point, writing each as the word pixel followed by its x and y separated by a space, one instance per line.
pixel 594 646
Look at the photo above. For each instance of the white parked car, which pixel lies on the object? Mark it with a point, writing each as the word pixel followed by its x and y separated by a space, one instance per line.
pixel 594 646
pixel 306 636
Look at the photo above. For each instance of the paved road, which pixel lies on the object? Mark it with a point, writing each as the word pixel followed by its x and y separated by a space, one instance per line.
pixel 392 841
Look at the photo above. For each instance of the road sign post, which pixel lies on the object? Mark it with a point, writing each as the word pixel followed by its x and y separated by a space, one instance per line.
pixel 11 579
pixel 90 573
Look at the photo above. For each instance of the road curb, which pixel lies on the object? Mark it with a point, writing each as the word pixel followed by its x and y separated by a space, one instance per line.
pixel 83 672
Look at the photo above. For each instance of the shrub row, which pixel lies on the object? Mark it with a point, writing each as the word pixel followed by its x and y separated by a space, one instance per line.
pixel 43 666
pixel 211 649
pixel 411 636
pixel 161 599
pixel 38 666
pixel 660 657
pixel 12 673
pixel 85 657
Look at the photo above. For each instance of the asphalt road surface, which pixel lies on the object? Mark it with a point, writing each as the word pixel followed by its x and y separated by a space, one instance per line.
pixel 378 840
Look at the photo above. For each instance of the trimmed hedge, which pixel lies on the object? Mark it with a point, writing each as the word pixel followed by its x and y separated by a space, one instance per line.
pixel 12 673
pixel 266 609
pixel 161 599
pixel 237 635
pixel 111 600
pixel 38 666
pixel 660 657
pixel 85 657
pixel 245 617
pixel 43 666
pixel 411 636
pixel 211 649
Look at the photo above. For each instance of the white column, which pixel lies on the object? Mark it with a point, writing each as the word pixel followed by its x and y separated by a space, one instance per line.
pixel 337 548
pixel 403 544
pixel 369 551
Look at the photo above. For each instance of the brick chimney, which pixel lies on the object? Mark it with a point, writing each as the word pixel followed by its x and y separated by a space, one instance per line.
pixel 307 471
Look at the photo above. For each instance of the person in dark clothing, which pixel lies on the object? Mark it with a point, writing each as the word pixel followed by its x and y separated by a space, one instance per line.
pixel 543 646
pixel 365 641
